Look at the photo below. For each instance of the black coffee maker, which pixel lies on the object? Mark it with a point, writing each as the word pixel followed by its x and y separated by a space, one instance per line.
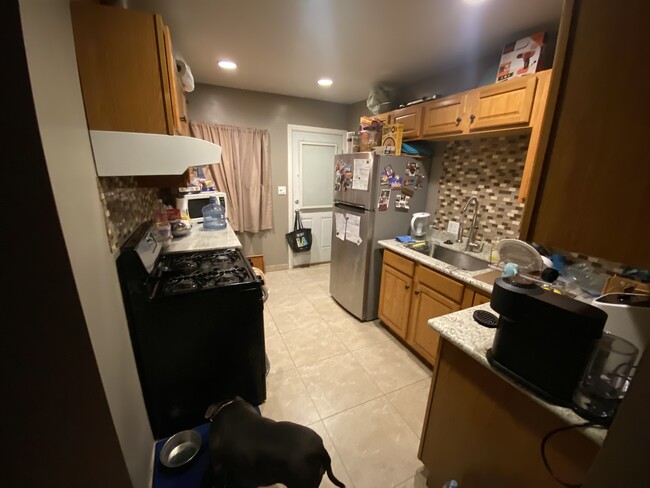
pixel 543 340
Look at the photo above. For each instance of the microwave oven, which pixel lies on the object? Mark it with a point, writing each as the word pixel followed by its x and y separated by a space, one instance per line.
pixel 193 203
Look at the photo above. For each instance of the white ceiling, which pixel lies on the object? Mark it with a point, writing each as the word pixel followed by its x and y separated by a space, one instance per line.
pixel 285 46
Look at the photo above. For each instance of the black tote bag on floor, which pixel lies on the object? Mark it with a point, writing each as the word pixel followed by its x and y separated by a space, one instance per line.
pixel 300 238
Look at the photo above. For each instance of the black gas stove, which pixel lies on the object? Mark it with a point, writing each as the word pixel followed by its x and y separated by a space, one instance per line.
pixel 197 329
pixel 203 270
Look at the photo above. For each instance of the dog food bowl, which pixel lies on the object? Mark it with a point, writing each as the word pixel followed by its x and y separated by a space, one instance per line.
pixel 180 448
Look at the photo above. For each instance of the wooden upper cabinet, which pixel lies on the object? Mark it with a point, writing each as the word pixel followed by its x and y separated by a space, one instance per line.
pixel 594 183
pixel 508 103
pixel 178 102
pixel 444 116
pixel 411 119
pixel 386 118
pixel 123 69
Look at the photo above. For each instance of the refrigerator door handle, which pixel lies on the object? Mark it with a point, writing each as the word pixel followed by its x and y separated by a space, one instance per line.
pixel 359 208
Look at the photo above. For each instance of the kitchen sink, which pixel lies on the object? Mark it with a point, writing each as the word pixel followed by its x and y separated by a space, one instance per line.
pixel 455 258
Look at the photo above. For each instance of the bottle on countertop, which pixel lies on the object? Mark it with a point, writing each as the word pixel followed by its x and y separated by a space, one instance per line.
pixel 162 228
pixel 214 215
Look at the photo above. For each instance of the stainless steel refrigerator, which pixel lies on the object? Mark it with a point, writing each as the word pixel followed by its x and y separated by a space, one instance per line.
pixel 374 199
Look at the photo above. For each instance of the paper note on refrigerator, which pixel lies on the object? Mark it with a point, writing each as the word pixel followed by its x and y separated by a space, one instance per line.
pixel 353 229
pixel 340 226
pixel 361 174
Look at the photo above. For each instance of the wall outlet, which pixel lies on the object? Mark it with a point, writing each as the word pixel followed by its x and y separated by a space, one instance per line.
pixel 282 190
pixel 453 226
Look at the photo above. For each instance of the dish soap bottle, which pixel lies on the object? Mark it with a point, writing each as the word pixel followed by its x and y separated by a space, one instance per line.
pixel 214 217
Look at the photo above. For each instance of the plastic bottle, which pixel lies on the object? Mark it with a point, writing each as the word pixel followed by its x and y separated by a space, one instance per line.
pixel 162 228
pixel 214 215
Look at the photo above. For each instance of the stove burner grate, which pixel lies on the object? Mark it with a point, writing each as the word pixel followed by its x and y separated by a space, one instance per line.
pixel 178 284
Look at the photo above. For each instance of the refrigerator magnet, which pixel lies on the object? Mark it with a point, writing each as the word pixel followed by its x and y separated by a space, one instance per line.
pixel 412 168
pixel 409 181
pixel 383 178
pixel 407 191
pixel 419 181
pixel 395 182
pixel 384 200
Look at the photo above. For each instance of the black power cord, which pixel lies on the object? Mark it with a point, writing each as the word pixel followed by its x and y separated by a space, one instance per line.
pixel 551 434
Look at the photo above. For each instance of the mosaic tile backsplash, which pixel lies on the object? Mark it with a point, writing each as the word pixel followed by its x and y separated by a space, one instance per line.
pixel 491 170
pixel 126 206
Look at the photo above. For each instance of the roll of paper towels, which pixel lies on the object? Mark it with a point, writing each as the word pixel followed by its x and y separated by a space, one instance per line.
pixel 187 80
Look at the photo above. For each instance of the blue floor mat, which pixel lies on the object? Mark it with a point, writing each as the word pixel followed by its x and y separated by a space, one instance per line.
pixel 196 474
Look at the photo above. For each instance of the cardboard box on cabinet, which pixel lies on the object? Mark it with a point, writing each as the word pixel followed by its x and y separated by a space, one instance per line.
pixel 521 57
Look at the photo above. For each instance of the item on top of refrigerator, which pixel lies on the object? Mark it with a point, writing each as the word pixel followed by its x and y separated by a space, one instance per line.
pixel 521 57
pixel 369 139
pixel 352 142
pixel 391 136
pixel 370 123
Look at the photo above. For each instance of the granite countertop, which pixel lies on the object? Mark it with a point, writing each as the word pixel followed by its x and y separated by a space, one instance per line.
pixel 460 329
pixel 200 239
pixel 468 277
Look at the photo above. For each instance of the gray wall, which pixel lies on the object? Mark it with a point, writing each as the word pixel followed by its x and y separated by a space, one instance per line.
pixel 221 105
pixel 64 133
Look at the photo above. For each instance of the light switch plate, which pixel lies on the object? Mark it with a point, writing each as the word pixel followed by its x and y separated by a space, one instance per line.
pixel 453 226
pixel 282 190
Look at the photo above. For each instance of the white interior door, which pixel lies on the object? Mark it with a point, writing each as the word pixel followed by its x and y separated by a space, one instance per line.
pixel 312 169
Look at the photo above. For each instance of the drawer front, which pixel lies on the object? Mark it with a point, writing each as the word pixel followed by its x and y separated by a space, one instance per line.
pixel 448 287
pixel 398 262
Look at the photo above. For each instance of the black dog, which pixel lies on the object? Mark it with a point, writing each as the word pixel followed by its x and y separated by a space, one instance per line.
pixel 245 446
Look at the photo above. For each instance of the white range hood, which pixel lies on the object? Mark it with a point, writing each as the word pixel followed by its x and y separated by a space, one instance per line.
pixel 142 154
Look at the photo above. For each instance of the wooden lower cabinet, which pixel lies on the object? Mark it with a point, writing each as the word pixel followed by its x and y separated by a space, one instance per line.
pixel 411 294
pixel 426 304
pixel 483 432
pixel 395 299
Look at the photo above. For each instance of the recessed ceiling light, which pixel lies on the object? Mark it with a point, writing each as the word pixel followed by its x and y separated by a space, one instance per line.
pixel 473 2
pixel 325 82
pixel 227 65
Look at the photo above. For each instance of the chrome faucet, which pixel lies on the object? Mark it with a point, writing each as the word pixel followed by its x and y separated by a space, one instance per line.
pixel 471 245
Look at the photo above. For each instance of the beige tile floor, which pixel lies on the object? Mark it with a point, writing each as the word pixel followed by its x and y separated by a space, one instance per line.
pixel 351 382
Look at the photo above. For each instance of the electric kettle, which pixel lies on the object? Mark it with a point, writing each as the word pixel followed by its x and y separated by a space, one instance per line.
pixel 419 224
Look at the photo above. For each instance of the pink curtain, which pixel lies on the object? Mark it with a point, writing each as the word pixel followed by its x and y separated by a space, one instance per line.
pixel 244 173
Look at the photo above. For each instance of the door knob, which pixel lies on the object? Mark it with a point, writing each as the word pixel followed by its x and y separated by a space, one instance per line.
pixel 458 120
pixel 472 117
pixel 296 202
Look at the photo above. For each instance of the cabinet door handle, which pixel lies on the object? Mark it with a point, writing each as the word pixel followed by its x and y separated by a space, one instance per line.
pixel 416 292
pixel 458 120
pixel 471 118
pixel 183 118
pixel 406 287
